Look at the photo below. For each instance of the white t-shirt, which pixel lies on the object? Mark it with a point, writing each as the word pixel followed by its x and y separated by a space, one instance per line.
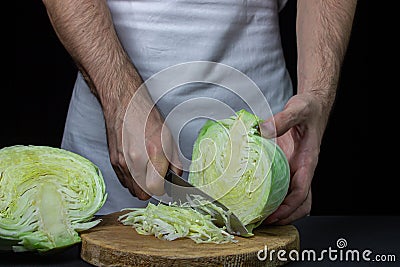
pixel 158 34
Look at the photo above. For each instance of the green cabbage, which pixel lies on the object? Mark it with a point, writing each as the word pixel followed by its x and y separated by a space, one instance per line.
pixel 244 171
pixel 47 195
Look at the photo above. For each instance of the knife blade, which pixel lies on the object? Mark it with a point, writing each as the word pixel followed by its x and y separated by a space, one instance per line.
pixel 179 190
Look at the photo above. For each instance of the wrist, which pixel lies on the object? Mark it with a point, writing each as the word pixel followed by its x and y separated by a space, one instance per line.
pixel 320 103
pixel 323 89
pixel 114 87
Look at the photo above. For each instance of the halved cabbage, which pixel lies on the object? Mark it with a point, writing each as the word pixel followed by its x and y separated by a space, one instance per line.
pixel 47 195
pixel 244 171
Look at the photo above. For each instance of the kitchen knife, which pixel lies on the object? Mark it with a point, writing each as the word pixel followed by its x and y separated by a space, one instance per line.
pixel 179 190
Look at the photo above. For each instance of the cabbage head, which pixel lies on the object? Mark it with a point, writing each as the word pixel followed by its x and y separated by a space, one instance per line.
pixel 47 196
pixel 247 173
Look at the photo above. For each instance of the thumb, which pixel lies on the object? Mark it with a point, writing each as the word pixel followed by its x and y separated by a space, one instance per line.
pixel 281 122
pixel 157 167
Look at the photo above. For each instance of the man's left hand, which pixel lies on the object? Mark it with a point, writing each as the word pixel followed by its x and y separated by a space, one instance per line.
pixel 299 129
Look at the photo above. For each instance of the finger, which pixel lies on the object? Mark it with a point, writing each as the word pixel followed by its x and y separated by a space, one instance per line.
pixel 157 168
pixel 128 182
pixel 299 189
pixel 134 165
pixel 133 186
pixel 290 204
pixel 299 213
pixel 136 190
pixel 114 160
pixel 176 165
pixel 176 170
pixel 281 122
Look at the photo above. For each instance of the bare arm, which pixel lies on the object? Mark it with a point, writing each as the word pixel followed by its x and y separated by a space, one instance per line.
pixel 323 30
pixel 86 30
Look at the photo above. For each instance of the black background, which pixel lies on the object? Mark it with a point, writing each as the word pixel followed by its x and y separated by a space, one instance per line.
pixel 35 100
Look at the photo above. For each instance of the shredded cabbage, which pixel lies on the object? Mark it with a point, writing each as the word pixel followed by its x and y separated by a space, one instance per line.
pixel 47 196
pixel 170 222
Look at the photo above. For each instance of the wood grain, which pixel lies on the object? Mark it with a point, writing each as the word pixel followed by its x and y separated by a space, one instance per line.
pixel 113 244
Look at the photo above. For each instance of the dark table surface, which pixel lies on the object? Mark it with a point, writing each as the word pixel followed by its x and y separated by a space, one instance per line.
pixel 378 237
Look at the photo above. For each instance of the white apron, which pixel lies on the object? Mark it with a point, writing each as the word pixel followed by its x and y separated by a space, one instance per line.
pixel 158 34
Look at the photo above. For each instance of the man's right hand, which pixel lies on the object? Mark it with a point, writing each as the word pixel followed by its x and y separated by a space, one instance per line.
pixel 91 40
pixel 142 159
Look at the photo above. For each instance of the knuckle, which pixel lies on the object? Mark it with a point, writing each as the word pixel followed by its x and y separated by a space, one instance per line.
pixel 289 116
pixel 301 195
pixel 114 159
pixel 134 156
pixel 292 115
pixel 122 161
pixel 153 149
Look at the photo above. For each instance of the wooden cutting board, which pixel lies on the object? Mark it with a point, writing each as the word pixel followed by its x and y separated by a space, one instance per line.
pixel 112 244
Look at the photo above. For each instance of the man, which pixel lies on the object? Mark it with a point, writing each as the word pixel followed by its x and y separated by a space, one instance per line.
pixel 119 44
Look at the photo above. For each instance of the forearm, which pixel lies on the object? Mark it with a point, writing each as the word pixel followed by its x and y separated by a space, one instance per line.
pixel 86 30
pixel 323 30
